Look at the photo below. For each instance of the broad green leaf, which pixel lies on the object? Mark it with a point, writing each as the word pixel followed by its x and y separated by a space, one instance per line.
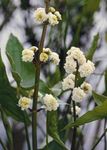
pixel 91 6
pixel 53 128
pixel 93 47
pixel 25 71
pixel 44 88
pixel 8 98
pixel 97 113
pixel 99 99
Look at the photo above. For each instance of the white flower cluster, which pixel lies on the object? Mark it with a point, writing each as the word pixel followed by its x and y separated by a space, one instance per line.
pixel 85 67
pixel 52 17
pixel 50 102
pixel 47 54
pixel 76 60
pixel 24 103
pixel 28 54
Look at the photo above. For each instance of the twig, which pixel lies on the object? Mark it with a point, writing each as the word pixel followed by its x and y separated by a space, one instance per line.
pixel 36 88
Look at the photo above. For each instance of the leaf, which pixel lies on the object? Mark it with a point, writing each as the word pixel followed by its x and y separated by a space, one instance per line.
pixel 53 129
pixel 97 113
pixel 26 71
pixel 44 88
pixel 93 47
pixel 8 98
pixel 99 99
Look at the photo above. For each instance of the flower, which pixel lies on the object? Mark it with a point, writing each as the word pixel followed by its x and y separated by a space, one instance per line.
pixel 27 55
pixel 70 65
pixel 78 110
pixel 40 15
pixel 53 20
pixel 43 57
pixel 34 48
pixel 86 87
pixel 77 54
pixel 50 102
pixel 47 50
pixel 58 15
pixel 68 82
pixel 52 9
pixel 24 103
pixel 86 69
pixel 78 94
pixel 54 57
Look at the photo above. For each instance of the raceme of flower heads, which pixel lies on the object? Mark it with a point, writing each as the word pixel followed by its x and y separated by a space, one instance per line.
pixel 52 17
pixel 24 103
pixel 50 102
pixel 47 54
pixel 76 58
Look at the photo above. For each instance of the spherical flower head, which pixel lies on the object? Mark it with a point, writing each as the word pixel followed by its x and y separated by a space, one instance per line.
pixel 58 15
pixel 53 20
pixel 50 102
pixel 34 48
pixel 40 15
pixel 78 110
pixel 68 82
pixel 86 69
pixel 52 9
pixel 77 54
pixel 27 55
pixel 54 57
pixel 78 94
pixel 24 103
pixel 70 65
pixel 43 57
pixel 86 87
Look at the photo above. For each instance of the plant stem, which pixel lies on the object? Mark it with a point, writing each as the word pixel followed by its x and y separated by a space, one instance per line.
pixel 36 88
pixel 99 140
pixel 7 128
pixel 46 133
pixel 2 144
pixel 74 112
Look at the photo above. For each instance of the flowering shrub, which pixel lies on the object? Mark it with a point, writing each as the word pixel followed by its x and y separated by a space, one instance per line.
pixel 32 95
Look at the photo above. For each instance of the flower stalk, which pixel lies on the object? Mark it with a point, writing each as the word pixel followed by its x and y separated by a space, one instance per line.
pixel 37 77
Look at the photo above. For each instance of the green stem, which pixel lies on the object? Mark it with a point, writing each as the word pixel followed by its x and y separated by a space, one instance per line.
pixel 27 134
pixel 74 112
pixel 99 139
pixel 7 128
pixel 2 144
pixel 36 88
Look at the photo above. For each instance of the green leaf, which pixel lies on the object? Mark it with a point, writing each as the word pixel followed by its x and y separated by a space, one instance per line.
pixel 44 88
pixel 8 98
pixel 93 47
pixel 99 99
pixel 97 113
pixel 25 71
pixel 53 128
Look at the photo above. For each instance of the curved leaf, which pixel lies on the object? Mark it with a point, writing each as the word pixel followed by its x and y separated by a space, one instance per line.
pixel 53 129
pixel 25 71
pixel 99 99
pixel 97 113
